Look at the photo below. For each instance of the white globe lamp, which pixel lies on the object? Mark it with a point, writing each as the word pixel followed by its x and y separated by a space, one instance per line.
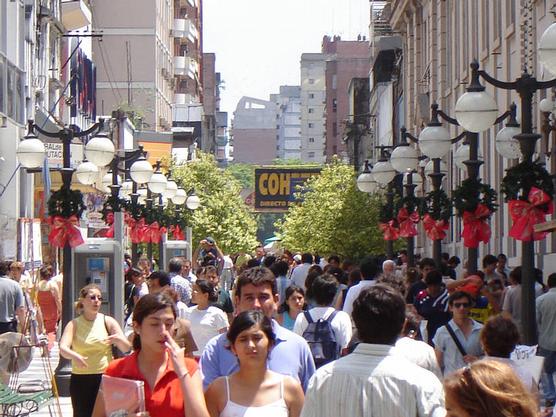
pixel 171 188
pixel 86 173
pixel 157 183
pixel 547 48
pixel 383 172
pixel 404 158
pixel 180 196
pixel 193 202
pixel 141 171
pixel 435 141
pixel 31 152
pixel 366 182
pixel 100 150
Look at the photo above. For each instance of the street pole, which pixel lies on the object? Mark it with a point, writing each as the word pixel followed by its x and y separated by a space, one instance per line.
pixel 473 165
pixel 436 179
pixel 390 203
pixel 66 135
pixel 410 192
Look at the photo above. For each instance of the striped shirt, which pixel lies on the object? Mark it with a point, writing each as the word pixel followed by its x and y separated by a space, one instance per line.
pixel 373 381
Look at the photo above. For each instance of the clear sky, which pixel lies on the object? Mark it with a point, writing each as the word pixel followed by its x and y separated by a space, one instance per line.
pixel 258 43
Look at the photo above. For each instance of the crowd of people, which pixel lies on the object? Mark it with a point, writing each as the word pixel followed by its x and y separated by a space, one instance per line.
pixel 292 334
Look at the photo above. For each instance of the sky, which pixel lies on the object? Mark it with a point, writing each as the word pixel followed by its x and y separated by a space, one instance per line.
pixel 258 43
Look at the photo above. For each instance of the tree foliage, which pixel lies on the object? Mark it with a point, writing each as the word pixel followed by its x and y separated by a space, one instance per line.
pixel 334 217
pixel 222 214
pixel 244 173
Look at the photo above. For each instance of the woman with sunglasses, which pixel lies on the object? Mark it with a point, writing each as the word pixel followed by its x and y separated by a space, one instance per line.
pixel 87 342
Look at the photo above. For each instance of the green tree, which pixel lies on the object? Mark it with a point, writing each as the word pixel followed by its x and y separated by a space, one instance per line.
pixel 334 217
pixel 244 173
pixel 222 214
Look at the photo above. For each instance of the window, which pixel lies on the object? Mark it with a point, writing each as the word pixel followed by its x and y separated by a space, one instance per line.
pixel 497 20
pixel 510 12
pixel 311 95
pixel 311 140
pixel 485 25
pixel 334 105
pixel 334 129
pixel 2 83
pixel 311 80
pixel 311 154
pixel 311 125
pixel 311 110
pixel 448 39
pixel 277 126
pixel 334 81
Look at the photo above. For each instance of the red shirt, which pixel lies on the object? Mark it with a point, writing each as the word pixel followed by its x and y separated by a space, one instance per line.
pixel 166 399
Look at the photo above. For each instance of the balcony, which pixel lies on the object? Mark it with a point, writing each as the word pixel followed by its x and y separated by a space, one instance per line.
pixel 181 98
pixel 184 65
pixel 75 14
pixel 178 30
pixel 190 31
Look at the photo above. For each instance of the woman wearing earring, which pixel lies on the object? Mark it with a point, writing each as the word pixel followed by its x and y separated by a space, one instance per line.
pixel 254 390
pixel 173 386
pixel 87 341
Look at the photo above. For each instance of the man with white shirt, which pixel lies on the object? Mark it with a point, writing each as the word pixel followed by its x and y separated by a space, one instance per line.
pixel 374 380
pixel 369 271
pixel 299 274
pixel 324 290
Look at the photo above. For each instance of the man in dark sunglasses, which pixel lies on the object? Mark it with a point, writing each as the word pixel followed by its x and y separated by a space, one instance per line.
pixel 458 342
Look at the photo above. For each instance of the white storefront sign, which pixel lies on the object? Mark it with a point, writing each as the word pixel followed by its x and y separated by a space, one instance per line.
pixel 55 154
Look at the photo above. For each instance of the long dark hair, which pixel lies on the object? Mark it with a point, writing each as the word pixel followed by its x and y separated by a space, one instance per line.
pixel 149 304
pixel 289 292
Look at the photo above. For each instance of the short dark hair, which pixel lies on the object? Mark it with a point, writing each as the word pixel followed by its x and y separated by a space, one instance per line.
pixel 427 262
pixel 269 260
pixel 445 256
pixel 335 258
pixel 502 256
pixel 256 276
pixel 5 267
pixel 162 277
pixel 324 289
pixel 280 268
pixel 368 267
pixel 149 304
pixel 489 260
pixel 551 282
pixel 499 336
pixel 175 265
pixel 207 288
pixel 247 319
pixel 515 274
pixel 434 277
pixel 379 314
pixel 306 258
pixel 456 295
pixel 454 260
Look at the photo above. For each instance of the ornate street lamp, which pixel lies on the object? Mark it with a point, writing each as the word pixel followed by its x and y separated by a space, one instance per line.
pixel 365 181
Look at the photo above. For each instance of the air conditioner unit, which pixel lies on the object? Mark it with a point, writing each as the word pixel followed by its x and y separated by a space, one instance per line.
pixel 165 73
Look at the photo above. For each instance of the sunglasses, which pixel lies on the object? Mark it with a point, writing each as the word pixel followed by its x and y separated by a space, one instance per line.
pixel 94 297
pixel 464 305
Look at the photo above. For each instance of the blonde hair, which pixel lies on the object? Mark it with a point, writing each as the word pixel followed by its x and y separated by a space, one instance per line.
pixel 82 294
pixel 489 388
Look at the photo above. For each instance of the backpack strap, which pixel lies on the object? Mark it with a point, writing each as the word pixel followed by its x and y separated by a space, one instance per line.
pixel 456 340
pixel 331 316
pixel 308 317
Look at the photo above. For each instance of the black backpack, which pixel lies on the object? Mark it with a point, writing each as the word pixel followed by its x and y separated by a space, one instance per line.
pixel 321 339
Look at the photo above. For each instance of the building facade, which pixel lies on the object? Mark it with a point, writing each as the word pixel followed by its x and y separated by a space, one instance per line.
pixel 345 60
pixel 439 40
pixel 254 131
pixel 313 103
pixel 288 122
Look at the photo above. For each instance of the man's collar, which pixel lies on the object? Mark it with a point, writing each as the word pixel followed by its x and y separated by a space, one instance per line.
pixel 282 334
pixel 373 349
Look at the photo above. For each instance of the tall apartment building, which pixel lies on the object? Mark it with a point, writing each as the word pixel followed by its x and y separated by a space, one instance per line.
pixel 440 39
pixel 222 148
pixel 313 102
pixel 254 131
pixel 345 60
pixel 288 121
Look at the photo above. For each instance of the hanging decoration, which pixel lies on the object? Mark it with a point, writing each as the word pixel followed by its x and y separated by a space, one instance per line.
pixel 65 207
pixel 409 216
pixel 438 211
pixel 529 189
pixel 474 202
pixel 388 223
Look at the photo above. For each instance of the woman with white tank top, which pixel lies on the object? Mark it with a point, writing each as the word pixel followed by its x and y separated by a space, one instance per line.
pixel 253 390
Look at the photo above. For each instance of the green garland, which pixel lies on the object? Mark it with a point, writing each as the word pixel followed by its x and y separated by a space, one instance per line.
pixel 472 192
pixel 522 177
pixel 412 203
pixel 66 203
pixel 387 212
pixel 438 205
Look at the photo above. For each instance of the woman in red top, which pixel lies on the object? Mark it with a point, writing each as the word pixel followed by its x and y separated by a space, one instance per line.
pixel 173 386
pixel 50 302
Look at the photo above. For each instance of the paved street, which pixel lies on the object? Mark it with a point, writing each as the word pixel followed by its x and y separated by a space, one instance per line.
pixel 37 371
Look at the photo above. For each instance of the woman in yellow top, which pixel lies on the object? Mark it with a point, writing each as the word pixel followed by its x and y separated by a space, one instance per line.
pixel 87 342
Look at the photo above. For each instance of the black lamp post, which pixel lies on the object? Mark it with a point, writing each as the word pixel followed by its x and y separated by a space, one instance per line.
pixel 526 85
pixel 66 135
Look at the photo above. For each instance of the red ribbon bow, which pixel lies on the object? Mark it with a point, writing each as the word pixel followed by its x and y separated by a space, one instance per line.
pixel 177 232
pixel 64 230
pixel 407 222
pixel 136 229
pixel 152 233
pixel 475 227
pixel 435 229
pixel 389 231
pixel 110 222
pixel 526 214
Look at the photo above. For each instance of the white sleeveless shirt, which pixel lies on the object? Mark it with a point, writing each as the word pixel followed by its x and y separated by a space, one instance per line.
pixel 278 408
